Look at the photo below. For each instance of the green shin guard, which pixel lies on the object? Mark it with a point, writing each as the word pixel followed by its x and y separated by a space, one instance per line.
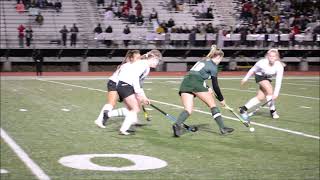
pixel 217 117
pixel 182 117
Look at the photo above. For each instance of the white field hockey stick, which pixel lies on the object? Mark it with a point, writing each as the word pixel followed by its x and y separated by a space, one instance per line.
pixel 258 108
pixel 244 122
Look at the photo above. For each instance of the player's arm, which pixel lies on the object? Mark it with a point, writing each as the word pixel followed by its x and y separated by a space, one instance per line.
pixel 216 88
pixel 249 74
pixel 279 78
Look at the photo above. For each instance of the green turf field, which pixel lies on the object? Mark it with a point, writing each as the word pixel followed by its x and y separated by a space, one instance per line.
pixel 53 118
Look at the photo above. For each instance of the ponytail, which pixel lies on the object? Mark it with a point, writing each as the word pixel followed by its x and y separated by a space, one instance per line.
pixel 214 52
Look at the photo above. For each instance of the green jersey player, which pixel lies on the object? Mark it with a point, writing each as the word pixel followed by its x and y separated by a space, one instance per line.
pixel 194 85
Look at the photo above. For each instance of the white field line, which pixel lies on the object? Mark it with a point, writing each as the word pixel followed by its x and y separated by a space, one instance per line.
pixel 313 85
pixel 36 170
pixel 180 107
pixel 149 78
pixel 306 97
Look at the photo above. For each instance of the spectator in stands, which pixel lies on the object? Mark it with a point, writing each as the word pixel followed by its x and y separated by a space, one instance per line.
pixel 74 32
pixel 294 30
pixel 20 8
pixel 21 29
pixel 173 5
pixel 160 29
pixel 140 20
pixel 125 10
pixel 58 5
pixel 138 8
pixel 209 28
pixel 29 36
pixel 108 30
pixel 64 31
pixel 100 3
pixel 153 15
pixel 132 17
pixel 170 23
pixel 108 15
pixel 126 30
pixel 33 11
pixel 39 19
pixel 209 14
pixel 98 29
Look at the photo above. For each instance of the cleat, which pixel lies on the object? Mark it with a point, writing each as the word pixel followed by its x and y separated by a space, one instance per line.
pixel 124 133
pixel 242 110
pixel 176 130
pixel 99 123
pixel 226 130
pixel 274 115
pixel 105 117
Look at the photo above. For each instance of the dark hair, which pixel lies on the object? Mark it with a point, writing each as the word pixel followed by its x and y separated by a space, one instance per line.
pixel 129 56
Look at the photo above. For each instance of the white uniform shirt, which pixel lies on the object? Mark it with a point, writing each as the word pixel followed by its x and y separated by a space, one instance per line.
pixel 134 73
pixel 263 68
pixel 114 76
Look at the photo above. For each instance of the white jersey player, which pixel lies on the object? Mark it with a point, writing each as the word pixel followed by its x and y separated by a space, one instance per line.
pixel 112 94
pixel 129 87
pixel 264 70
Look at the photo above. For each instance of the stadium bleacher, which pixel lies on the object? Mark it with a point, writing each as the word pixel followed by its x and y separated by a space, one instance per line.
pixel 232 31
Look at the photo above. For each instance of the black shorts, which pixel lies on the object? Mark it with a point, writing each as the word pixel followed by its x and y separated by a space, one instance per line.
pixel 112 86
pixel 259 78
pixel 124 90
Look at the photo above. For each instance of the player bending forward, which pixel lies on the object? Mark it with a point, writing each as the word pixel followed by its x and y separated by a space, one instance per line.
pixel 130 88
pixel 264 69
pixel 193 85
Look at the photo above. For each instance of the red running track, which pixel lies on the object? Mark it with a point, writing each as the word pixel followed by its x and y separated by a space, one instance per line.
pixel 224 73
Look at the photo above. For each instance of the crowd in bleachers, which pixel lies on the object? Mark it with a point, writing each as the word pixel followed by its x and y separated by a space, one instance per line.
pixel 36 5
pixel 279 17
pixel 275 22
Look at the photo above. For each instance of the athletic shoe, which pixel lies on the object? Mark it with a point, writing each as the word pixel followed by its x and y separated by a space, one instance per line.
pixel 176 130
pixel 226 130
pixel 242 110
pixel 99 123
pixel 124 133
pixel 274 115
pixel 105 117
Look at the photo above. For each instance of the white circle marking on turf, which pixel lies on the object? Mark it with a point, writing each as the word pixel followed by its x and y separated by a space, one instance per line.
pixel 3 171
pixel 23 110
pixel 64 109
pixel 141 162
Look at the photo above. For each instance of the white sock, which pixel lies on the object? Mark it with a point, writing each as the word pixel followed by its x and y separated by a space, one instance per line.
pixel 128 121
pixel 271 105
pixel 252 102
pixel 105 107
pixel 118 112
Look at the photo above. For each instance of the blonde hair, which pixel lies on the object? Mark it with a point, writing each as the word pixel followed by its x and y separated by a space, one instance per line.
pixel 152 54
pixel 273 50
pixel 276 51
pixel 214 52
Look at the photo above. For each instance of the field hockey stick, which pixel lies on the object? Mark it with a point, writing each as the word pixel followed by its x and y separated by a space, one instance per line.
pixel 244 122
pixel 258 108
pixel 146 114
pixel 174 120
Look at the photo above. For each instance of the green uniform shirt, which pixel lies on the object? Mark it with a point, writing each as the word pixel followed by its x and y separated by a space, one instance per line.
pixel 205 69
pixel 194 81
